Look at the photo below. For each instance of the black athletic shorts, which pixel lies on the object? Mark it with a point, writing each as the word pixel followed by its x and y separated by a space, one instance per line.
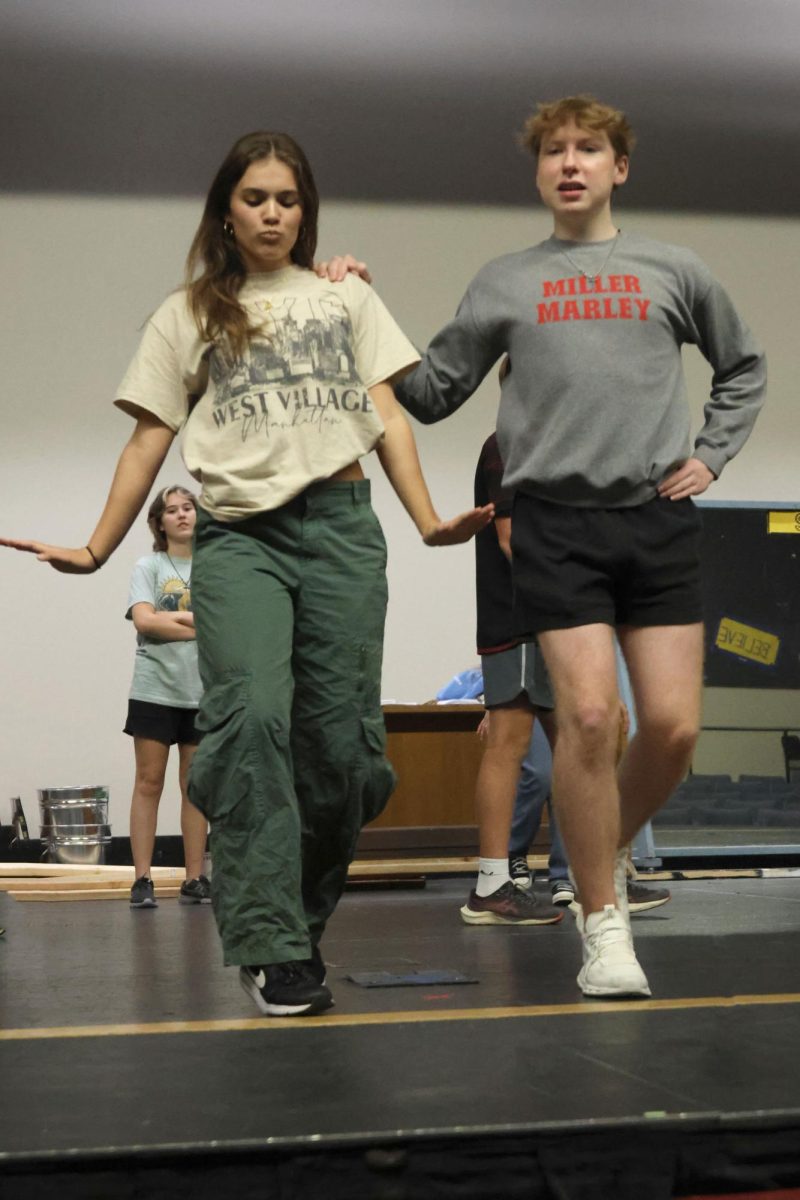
pixel 612 566
pixel 518 671
pixel 162 723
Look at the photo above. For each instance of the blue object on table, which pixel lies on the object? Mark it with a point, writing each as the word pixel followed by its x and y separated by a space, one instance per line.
pixel 467 685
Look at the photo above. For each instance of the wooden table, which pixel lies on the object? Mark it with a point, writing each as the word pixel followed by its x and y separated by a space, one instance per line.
pixel 435 750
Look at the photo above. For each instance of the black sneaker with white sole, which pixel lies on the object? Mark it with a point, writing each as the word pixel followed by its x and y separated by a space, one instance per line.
pixel 519 871
pixel 143 893
pixel 562 893
pixel 316 966
pixel 286 989
pixel 195 891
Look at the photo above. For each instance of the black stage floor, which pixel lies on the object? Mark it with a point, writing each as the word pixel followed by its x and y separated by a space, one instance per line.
pixel 124 1042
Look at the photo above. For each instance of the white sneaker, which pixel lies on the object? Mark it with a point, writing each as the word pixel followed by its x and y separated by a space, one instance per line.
pixel 622 865
pixel 609 966
pixel 622 872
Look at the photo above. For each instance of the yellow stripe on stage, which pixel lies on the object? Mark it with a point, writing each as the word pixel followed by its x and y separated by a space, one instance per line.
pixel 587 1008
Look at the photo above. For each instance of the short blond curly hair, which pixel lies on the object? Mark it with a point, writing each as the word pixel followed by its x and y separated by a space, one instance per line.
pixel 587 113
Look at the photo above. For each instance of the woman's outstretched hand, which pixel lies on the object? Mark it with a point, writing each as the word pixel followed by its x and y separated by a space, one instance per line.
pixel 459 529
pixel 61 558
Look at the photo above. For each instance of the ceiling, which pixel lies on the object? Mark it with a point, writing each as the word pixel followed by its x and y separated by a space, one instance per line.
pixel 416 100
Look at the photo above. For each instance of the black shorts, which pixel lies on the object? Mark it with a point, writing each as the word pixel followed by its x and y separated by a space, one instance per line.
pixel 611 566
pixel 519 671
pixel 162 723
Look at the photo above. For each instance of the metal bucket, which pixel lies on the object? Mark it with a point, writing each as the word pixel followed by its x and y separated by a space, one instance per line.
pixel 65 816
pixel 69 795
pixel 84 850
pixel 75 825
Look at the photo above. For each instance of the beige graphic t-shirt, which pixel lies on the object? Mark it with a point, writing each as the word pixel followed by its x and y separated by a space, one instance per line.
pixel 260 427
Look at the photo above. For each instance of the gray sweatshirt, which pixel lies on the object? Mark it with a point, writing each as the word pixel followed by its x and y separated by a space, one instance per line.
pixel 593 412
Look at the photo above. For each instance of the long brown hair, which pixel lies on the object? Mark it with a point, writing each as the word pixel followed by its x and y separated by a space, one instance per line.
pixel 214 294
pixel 156 511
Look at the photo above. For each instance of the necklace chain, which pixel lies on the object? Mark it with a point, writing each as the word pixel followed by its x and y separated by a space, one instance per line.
pixel 185 582
pixel 592 275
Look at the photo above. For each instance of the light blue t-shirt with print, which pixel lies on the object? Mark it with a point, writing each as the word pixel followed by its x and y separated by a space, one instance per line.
pixel 164 672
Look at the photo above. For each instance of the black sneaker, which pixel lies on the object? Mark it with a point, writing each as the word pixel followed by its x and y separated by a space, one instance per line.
pixel 509 905
pixel 562 893
pixel 316 966
pixel 285 989
pixel 519 871
pixel 641 898
pixel 142 893
pixel 195 891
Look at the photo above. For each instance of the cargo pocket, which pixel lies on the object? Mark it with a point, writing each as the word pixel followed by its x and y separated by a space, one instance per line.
pixel 224 767
pixel 374 731
pixel 380 779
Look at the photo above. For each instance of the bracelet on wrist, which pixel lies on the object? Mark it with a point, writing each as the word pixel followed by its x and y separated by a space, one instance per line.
pixel 93 557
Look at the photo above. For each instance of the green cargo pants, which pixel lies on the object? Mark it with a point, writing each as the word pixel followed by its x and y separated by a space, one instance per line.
pixel 289 608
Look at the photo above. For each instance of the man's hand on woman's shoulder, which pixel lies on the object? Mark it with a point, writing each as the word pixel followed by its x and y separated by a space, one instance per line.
pixel 340 266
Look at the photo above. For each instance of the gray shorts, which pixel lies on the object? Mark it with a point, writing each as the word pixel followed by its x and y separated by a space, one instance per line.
pixel 517 672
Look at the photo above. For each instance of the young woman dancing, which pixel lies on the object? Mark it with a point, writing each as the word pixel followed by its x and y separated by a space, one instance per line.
pixel 280 382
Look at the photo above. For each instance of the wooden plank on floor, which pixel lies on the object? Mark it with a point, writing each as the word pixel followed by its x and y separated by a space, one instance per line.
pixel 65 870
pixel 51 897
pixel 71 884
pixel 412 866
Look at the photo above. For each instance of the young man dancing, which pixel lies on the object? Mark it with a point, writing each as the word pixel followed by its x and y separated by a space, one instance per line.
pixel 511 791
pixel 594 430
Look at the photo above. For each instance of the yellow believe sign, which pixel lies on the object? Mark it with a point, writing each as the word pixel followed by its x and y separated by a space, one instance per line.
pixel 746 642
pixel 783 521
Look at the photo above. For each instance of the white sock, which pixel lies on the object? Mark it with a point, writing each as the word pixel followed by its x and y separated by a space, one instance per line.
pixel 492 874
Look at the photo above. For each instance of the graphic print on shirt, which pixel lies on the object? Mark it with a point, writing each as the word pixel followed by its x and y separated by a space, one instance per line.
pixel 174 596
pixel 299 369
pixel 592 298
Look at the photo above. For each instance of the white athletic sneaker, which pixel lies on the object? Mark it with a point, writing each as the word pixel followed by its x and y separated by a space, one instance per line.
pixel 609 966
pixel 622 870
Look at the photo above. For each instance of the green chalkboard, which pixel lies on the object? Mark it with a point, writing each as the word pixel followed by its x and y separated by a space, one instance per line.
pixel 751 595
